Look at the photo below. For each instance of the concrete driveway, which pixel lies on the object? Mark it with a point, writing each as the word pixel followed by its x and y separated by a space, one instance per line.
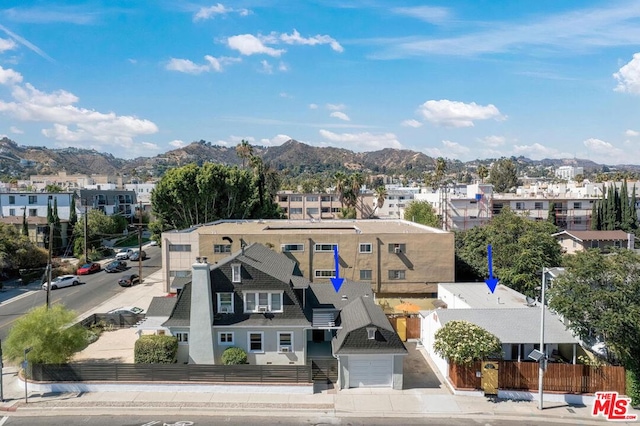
pixel 417 372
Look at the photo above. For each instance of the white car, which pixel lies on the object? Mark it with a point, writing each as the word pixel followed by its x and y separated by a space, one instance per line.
pixel 130 310
pixel 63 281
pixel 124 254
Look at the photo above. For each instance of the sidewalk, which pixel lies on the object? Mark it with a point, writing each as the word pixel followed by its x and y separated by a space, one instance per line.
pixel 328 403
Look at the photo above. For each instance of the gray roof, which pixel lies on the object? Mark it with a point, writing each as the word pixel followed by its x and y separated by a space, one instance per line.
pixel 356 317
pixel 324 295
pixel 182 309
pixel 161 306
pixel 511 326
pixel 478 295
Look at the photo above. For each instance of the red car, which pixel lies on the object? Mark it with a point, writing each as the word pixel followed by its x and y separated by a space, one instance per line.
pixel 89 268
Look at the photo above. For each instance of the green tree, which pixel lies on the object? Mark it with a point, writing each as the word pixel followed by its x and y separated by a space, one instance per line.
pixel 551 217
pixel 17 251
pixel 50 334
pixel 244 151
pixel 340 183
pixel 381 195
pixel 99 226
pixel 234 356
pixel 25 224
pixel 600 297
pixel 503 175
pixel 422 212
pixel 462 343
pixel 521 248
pixel 483 172
pixel 53 188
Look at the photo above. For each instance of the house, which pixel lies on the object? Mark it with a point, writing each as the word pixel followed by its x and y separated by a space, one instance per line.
pixel 397 257
pixel 507 314
pixel 574 241
pixel 158 313
pixel 258 300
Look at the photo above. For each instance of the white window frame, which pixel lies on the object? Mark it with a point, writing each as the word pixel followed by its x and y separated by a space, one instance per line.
pixel 281 345
pixel 236 273
pixel 220 305
pixel 322 247
pixel 397 274
pixel 256 299
pixel 226 334
pixel 292 247
pixel 183 337
pixel 261 350
pixel 222 248
pixel 362 248
pixel 324 273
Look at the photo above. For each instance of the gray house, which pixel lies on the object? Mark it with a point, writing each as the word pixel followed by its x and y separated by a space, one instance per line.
pixel 258 300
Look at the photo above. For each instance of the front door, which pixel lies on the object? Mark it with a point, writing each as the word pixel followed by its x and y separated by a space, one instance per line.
pixel 489 380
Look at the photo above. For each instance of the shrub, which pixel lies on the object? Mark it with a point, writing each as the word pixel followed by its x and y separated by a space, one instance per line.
pixel 633 387
pixel 234 356
pixel 462 343
pixel 156 349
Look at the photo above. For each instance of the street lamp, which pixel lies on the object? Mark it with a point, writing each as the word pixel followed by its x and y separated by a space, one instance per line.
pixel 539 355
pixel 24 366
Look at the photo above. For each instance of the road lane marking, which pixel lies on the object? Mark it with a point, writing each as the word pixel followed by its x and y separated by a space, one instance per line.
pixel 3 420
pixel 15 299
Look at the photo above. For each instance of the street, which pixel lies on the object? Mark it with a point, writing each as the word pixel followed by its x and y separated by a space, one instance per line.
pixel 93 290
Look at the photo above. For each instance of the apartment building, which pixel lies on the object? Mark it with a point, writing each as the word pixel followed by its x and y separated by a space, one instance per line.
pixel 108 201
pixel 397 257
pixel 297 206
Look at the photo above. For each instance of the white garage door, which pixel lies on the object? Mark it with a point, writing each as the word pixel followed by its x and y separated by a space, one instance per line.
pixel 371 371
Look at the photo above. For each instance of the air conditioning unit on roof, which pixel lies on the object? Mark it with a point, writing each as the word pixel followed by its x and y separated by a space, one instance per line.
pixel 263 308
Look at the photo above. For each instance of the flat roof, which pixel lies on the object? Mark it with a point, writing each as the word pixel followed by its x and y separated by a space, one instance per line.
pixel 305 227
pixel 478 295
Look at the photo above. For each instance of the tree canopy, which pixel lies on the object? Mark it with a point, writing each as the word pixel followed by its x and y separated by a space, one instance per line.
pixel 462 343
pixel 422 212
pixel 521 248
pixel 503 175
pixel 99 226
pixel 616 210
pixel 17 251
pixel 49 333
pixel 191 195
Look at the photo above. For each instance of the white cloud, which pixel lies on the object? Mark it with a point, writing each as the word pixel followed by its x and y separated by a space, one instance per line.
pixel 606 152
pixel 14 129
pixel 493 141
pixel 248 44
pixel 9 76
pixel 537 151
pixel 340 115
pixel 629 76
pixel 177 143
pixel 433 15
pixel 457 114
pixel 26 43
pixel 450 150
pixel 7 44
pixel 361 141
pixel 335 107
pixel 313 106
pixel 282 67
pixel 296 38
pixel 275 141
pixel 632 133
pixel 267 68
pixel 189 67
pixel 215 10
pixel 411 123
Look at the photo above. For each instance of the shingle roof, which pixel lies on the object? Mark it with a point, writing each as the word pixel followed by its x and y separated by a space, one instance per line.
pixel 161 306
pixel 324 295
pixel 356 317
pixel 595 235
pixel 478 295
pixel 512 326
pixel 182 309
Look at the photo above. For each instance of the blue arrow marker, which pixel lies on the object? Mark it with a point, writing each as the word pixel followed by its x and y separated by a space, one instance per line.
pixel 337 281
pixel 491 281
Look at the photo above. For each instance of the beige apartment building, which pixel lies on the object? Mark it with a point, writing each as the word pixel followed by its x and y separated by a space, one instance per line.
pixel 297 205
pixel 398 257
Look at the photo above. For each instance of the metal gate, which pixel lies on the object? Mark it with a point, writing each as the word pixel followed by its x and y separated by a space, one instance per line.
pixel 324 370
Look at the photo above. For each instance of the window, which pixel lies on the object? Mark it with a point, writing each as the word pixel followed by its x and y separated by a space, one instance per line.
pixel 617 244
pixel 295 198
pixel 292 247
pixel 312 210
pixel 262 302
pixel 182 337
pixel 235 273
pixel 12 212
pixel 371 333
pixel 325 210
pixel 326 198
pixel 295 210
pixel 396 274
pixel 577 221
pixel 335 210
pixel 366 248
pixel 537 205
pixel 577 205
pixel 33 212
pixel 222 248
pixel 179 247
pixel 255 341
pixel 397 248
pixel 12 199
pixel 33 199
pixel 325 273
pixel 285 342
pixel 325 247
pixel 519 205
pixel 225 303
pixel 595 244
pixel 284 198
pixel 312 198
pixel 225 338
pixel 365 274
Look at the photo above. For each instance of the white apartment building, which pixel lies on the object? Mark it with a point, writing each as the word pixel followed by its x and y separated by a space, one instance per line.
pixel 569 172
pixel 13 204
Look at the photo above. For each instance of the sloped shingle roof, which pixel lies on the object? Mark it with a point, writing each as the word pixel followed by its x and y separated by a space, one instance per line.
pixel 595 235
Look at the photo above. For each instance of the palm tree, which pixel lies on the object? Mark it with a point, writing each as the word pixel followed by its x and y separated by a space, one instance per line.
pixel 340 180
pixel 244 151
pixel 483 172
pixel 381 195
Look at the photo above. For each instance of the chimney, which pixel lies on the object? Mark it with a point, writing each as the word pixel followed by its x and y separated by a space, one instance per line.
pixel 201 318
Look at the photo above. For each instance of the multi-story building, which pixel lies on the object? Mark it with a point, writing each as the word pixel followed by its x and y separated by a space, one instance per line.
pixel 72 181
pixel 110 202
pixel 569 172
pixel 296 205
pixel 397 257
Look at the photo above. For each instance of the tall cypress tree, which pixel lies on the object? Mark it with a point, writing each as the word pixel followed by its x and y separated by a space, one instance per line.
pixel 633 213
pixel 595 216
pixel 551 216
pixel 624 207
pixel 25 225
pixel 57 236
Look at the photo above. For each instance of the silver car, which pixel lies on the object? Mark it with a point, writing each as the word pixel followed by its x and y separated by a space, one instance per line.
pixel 63 281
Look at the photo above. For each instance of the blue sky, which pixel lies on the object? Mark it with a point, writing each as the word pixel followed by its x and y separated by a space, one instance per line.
pixel 458 79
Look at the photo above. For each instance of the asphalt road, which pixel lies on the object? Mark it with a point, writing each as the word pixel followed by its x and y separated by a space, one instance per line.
pixel 93 290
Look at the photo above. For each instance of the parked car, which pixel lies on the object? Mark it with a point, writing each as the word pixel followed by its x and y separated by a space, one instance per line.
pixel 127 310
pixel 62 281
pixel 89 268
pixel 129 280
pixel 116 266
pixel 123 255
pixel 135 256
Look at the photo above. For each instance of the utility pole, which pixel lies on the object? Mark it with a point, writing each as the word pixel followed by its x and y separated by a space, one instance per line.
pixel 1 380
pixel 86 230
pixel 140 242
pixel 543 361
pixel 49 266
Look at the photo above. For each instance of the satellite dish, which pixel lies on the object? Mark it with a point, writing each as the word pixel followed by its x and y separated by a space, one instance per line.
pixel 530 301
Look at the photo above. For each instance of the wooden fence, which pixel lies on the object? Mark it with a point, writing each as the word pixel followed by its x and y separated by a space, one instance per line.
pixel 95 372
pixel 413 325
pixel 561 378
